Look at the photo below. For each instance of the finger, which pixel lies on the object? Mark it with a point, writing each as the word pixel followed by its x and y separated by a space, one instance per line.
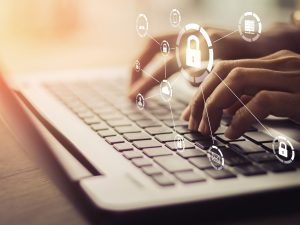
pixel 152 48
pixel 244 99
pixel 147 82
pixel 220 71
pixel 242 81
pixel 278 104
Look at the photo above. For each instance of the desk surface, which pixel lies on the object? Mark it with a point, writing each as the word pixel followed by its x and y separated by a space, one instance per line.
pixel 27 196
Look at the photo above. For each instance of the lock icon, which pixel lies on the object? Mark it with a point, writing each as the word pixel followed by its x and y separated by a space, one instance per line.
pixel 179 143
pixel 283 149
pixel 193 55
pixel 165 48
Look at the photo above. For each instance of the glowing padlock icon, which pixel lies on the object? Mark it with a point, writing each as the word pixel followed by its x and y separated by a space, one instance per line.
pixel 283 149
pixel 180 143
pixel 165 48
pixel 193 55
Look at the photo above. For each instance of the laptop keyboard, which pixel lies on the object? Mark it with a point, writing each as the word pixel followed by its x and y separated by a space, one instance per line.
pixel 147 138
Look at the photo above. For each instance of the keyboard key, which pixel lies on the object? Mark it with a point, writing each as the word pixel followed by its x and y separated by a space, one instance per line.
pixel 117 123
pixel 111 116
pixel 262 157
pixel 224 139
pixel 147 123
pixel 85 114
pixel 189 153
pixel 232 158
pixel 165 137
pixel 173 163
pixel 206 144
pixel 163 180
pixel 173 146
pixel 170 123
pixel 258 137
pixel 196 137
pixel 106 133
pixel 182 130
pixel 99 126
pixel 114 140
pixel 132 154
pixel 250 170
pixel 201 162
pixel 153 152
pixel 141 162
pixel 277 167
pixel 189 177
pixel 246 147
pixel 158 130
pixel 137 136
pixel 128 129
pixel 138 116
pixel 221 130
pixel 146 144
pixel 123 147
pixel 151 170
pixel 92 120
pixel 219 174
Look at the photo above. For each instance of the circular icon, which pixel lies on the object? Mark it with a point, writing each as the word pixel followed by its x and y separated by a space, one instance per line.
pixel 179 142
pixel 215 157
pixel 142 25
pixel 137 66
pixel 193 53
pixel 175 18
pixel 140 101
pixel 166 90
pixel 283 150
pixel 250 26
pixel 164 47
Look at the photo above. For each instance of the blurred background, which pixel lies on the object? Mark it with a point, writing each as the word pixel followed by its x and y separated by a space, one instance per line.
pixel 38 35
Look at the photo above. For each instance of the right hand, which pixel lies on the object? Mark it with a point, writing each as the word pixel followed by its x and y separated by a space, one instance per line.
pixel 231 47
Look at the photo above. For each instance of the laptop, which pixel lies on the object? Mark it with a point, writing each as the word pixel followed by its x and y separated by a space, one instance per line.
pixel 125 159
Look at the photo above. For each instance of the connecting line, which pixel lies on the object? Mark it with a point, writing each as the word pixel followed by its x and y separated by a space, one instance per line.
pixel 151 96
pixel 213 140
pixel 153 39
pixel 165 68
pixel 172 116
pixel 225 36
pixel 243 104
pixel 150 75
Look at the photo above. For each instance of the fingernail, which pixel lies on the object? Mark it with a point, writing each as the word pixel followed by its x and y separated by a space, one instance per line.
pixel 229 133
pixel 192 124
pixel 202 127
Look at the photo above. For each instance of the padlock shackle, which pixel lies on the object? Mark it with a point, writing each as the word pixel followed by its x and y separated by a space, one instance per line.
pixel 193 38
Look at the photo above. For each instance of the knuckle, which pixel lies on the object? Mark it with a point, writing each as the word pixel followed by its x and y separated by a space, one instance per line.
pixel 263 99
pixel 222 66
pixel 286 52
pixel 236 75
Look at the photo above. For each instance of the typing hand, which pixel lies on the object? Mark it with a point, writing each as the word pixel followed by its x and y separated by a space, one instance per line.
pixel 267 85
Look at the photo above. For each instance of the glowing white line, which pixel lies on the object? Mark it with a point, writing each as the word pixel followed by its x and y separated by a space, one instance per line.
pixel 172 115
pixel 225 36
pixel 207 116
pixel 243 104
pixel 152 96
pixel 153 39
pixel 150 75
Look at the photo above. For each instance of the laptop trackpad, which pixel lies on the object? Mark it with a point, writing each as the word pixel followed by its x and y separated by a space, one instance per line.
pixel 114 192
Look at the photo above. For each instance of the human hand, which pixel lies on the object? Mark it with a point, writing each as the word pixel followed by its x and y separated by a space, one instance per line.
pixel 267 85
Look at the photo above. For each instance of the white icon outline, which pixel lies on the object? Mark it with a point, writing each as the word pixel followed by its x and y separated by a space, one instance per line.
pixel 215 157
pixel 164 47
pixel 193 55
pixel 142 28
pixel 249 30
pixel 137 66
pixel 166 91
pixel 175 18
pixel 179 139
pixel 140 101
pixel 186 74
pixel 283 157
